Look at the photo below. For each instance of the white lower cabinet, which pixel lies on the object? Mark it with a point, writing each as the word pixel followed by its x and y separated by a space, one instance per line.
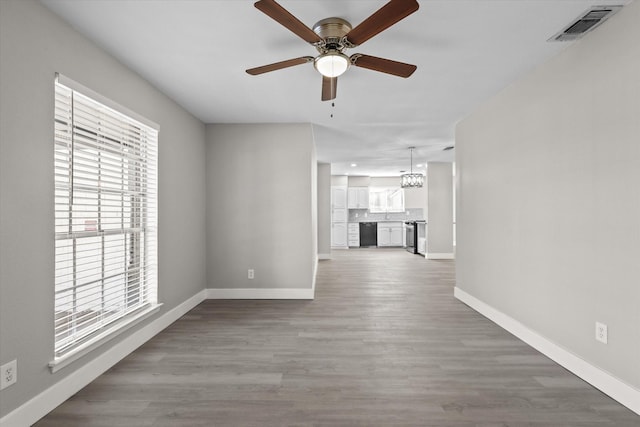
pixel 353 234
pixel 339 234
pixel 396 236
pixel 389 234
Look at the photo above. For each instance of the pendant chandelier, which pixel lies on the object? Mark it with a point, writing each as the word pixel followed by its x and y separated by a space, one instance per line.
pixel 412 180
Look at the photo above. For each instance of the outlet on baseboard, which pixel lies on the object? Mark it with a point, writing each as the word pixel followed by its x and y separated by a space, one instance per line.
pixel 8 374
pixel 601 332
pixel 251 273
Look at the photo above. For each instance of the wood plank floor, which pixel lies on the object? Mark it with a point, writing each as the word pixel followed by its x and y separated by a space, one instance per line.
pixel 383 344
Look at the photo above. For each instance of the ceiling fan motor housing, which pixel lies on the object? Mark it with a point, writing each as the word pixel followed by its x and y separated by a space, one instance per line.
pixel 332 28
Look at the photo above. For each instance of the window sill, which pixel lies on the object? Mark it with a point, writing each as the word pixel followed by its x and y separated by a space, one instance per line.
pixel 120 327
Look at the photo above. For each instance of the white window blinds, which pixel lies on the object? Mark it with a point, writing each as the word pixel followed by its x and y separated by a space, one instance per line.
pixel 105 217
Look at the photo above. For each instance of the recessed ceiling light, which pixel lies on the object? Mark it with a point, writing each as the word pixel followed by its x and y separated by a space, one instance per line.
pixel 353 165
pixel 420 165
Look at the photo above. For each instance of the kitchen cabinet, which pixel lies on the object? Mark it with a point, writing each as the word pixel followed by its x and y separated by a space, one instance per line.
pixel 339 216
pixel 390 234
pixel 353 234
pixel 339 197
pixel 358 198
pixel 339 234
pixel 339 204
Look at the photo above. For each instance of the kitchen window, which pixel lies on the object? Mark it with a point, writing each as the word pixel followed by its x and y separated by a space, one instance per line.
pixel 105 217
pixel 386 199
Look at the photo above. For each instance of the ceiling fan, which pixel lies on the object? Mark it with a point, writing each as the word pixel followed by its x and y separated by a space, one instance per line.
pixel 332 36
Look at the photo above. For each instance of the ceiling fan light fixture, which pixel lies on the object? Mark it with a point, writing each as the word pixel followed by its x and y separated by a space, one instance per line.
pixel 332 64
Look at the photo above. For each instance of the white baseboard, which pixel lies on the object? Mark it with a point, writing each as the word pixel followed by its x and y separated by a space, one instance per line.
pixel 324 256
pixel 39 406
pixel 257 293
pixel 315 273
pixel 617 389
pixel 435 255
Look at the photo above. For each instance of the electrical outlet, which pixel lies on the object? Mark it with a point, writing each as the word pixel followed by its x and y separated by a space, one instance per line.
pixel 601 332
pixel 251 273
pixel 9 374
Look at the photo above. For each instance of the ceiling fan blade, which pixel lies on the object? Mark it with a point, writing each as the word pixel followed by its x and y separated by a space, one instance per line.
pixel 383 65
pixel 383 18
pixel 285 18
pixel 279 65
pixel 329 88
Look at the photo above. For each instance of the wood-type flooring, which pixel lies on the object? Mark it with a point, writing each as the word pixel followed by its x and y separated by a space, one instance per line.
pixel 384 343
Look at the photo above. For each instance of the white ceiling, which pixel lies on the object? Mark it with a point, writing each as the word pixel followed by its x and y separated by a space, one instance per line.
pixel 196 52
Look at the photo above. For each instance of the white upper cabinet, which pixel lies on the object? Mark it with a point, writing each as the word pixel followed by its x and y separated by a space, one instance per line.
pixel 338 197
pixel 358 197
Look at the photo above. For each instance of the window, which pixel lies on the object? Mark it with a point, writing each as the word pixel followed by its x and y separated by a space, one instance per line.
pixel 386 199
pixel 105 216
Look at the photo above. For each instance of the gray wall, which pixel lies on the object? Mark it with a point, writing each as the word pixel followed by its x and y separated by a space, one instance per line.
pixel 34 44
pixel 440 208
pixel 324 209
pixel 416 198
pixel 260 205
pixel 548 203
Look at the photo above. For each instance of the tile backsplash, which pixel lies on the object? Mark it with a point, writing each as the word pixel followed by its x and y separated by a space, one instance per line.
pixel 363 215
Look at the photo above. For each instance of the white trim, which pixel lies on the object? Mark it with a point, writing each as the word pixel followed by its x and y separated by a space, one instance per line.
pixel 87 347
pixel 39 406
pixel 258 293
pixel 324 256
pixel 435 255
pixel 74 85
pixel 313 280
pixel 617 389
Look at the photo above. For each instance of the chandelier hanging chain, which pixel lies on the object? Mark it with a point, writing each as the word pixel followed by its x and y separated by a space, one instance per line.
pixel 411 165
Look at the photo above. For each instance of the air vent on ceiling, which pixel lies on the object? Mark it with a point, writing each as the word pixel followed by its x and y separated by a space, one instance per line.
pixel 585 23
